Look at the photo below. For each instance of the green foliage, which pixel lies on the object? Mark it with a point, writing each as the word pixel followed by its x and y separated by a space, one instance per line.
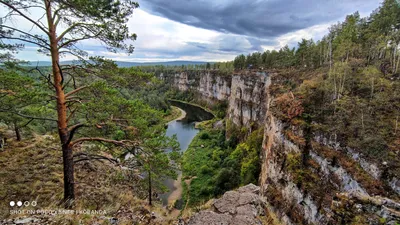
pixel 218 167
pixel 305 175
pixel 359 105
pixel 247 156
pixel 111 106
pixel 187 96
pixel 240 62
pixel 22 99
pixel 157 163
pixel 104 20
pixel 204 135
pixel 95 100
pixel 373 39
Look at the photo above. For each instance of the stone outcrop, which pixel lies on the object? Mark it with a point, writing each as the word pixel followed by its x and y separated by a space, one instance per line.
pixel 371 208
pixel 207 83
pixel 242 206
pixel 245 92
pixel 247 102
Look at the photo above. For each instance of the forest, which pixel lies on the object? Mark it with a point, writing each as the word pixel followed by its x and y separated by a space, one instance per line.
pixel 347 83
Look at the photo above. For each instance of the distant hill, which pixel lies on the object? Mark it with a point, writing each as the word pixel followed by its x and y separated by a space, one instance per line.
pixel 125 64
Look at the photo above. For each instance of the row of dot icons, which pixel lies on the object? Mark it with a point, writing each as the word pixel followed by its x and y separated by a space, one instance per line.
pixel 26 203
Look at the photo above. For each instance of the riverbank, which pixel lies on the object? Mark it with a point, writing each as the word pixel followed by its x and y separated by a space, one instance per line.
pixel 183 126
pixel 193 104
pixel 176 114
pixel 181 114
pixel 177 193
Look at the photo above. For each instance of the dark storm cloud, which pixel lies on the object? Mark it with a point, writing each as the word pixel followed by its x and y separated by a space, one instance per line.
pixel 259 18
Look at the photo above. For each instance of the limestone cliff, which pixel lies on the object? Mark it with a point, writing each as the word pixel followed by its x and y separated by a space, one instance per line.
pixel 247 102
pixel 245 92
pixel 318 180
pixel 314 180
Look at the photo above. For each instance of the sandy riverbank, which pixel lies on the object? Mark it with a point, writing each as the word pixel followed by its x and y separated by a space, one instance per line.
pixel 181 117
pixel 177 193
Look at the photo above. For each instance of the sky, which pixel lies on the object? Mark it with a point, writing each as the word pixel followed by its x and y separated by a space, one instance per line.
pixel 217 30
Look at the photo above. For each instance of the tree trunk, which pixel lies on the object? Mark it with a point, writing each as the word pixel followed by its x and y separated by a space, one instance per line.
pixel 321 56
pixel 63 133
pixel 307 146
pixel 150 191
pixel 397 64
pixel 394 60
pixel 330 54
pixel 17 132
pixel 69 188
pixel 362 123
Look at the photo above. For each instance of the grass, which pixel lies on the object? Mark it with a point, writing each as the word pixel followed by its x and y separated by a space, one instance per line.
pixel 32 170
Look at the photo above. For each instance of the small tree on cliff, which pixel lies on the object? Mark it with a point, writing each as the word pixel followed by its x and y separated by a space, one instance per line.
pixel 102 20
pixel 160 159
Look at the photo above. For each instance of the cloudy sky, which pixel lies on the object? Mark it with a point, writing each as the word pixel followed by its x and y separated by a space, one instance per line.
pixel 218 30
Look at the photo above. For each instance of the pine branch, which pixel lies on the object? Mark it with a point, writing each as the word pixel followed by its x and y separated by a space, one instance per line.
pixel 98 139
pixel 89 157
pixel 23 15
pixel 75 91
pixel 27 34
pixel 29 117
pixel 28 41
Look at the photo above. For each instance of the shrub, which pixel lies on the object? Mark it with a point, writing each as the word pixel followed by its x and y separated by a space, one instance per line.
pixel 204 135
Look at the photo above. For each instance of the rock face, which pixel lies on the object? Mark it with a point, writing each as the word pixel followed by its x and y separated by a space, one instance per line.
pixel 310 194
pixel 245 93
pixel 247 102
pixel 243 206
pixel 296 193
pixel 207 83
pixel 215 87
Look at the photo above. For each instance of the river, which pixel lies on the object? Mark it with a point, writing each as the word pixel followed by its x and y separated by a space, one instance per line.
pixel 185 131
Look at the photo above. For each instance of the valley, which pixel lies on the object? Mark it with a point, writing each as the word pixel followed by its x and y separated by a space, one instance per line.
pixel 274 122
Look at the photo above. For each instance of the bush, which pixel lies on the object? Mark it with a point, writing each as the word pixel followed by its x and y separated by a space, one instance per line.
pixel 375 146
pixel 204 135
pixel 227 179
pixel 206 169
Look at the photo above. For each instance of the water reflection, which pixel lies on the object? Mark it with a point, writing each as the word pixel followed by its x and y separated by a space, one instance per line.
pixel 185 131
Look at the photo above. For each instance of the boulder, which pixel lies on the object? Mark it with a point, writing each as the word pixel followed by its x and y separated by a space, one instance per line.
pixel 233 208
pixel 210 218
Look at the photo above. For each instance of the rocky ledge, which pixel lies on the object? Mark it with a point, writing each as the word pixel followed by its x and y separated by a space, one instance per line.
pixel 243 206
